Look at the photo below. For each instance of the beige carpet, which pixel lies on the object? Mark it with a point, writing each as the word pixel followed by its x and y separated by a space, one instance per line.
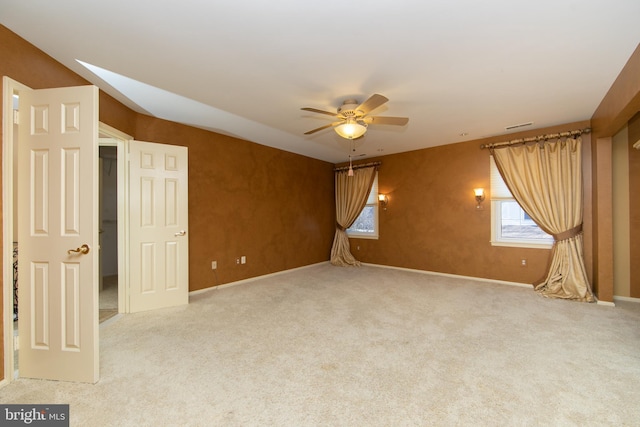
pixel 108 298
pixel 331 346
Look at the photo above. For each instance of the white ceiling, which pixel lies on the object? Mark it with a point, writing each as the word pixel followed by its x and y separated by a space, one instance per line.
pixel 246 67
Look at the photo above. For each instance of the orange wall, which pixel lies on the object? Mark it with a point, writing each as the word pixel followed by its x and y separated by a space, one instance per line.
pixel 634 205
pixel 269 205
pixel 431 222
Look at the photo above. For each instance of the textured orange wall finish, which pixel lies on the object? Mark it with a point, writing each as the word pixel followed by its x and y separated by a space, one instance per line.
pixel 273 207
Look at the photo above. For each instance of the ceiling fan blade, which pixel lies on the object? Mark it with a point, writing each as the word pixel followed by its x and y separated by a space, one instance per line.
pixel 322 127
pixel 377 120
pixel 372 103
pixel 315 110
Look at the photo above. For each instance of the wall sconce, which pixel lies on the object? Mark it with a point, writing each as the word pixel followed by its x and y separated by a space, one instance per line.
pixel 479 192
pixel 383 200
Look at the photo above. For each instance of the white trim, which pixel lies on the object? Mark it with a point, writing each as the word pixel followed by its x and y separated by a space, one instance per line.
pixel 521 244
pixel 113 132
pixel 499 282
pixel 122 146
pixel 412 270
pixel 435 273
pixel 9 86
pixel 627 299
pixel 253 279
pixel 605 303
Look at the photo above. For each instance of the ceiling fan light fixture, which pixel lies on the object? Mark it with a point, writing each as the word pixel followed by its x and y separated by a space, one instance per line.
pixel 353 119
pixel 351 128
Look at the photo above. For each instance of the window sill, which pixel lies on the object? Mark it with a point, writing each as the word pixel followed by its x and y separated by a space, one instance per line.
pixel 530 245
pixel 362 236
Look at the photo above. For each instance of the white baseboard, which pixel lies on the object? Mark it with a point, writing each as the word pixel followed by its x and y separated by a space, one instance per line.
pixel 627 299
pixel 252 279
pixel 413 270
pixel 606 303
pixel 458 276
pixel 500 282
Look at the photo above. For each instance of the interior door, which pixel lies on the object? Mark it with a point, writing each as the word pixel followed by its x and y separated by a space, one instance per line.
pixel 158 221
pixel 58 234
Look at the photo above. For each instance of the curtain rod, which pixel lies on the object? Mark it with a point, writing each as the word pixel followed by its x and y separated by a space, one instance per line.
pixel 364 165
pixel 536 138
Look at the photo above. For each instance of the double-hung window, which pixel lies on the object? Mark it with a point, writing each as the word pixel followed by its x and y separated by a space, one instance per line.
pixel 510 225
pixel 366 225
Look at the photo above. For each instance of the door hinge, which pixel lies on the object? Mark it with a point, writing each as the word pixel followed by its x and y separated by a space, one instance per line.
pixel 15 117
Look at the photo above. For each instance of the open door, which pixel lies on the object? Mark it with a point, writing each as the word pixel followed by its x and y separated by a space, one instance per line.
pixel 58 234
pixel 158 224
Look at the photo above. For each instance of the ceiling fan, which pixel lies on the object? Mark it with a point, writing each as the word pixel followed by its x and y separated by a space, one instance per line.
pixel 353 118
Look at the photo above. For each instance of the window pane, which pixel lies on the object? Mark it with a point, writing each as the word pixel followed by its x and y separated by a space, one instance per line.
pixel 516 224
pixel 510 225
pixel 365 222
pixel 511 213
pixel 366 225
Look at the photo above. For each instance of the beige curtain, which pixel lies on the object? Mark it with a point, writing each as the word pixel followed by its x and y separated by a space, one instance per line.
pixel 352 193
pixel 546 180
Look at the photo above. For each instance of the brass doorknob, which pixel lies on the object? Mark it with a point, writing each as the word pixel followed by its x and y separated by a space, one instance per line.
pixel 84 249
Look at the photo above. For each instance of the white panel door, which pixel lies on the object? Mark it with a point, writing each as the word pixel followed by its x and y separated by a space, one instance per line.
pixel 159 242
pixel 58 234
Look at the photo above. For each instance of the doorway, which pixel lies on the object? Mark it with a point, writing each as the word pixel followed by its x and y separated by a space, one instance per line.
pixel 108 208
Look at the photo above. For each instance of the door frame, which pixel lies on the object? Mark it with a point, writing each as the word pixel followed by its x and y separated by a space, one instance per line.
pixel 122 145
pixel 9 87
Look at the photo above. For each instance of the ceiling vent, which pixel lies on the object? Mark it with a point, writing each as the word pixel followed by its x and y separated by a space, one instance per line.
pixel 521 125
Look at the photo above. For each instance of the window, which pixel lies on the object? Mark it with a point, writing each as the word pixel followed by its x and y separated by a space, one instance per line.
pixel 510 225
pixel 366 225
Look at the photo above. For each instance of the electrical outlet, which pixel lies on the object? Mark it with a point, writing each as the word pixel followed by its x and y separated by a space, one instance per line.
pixel 214 265
pixel 523 262
pixel 238 260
